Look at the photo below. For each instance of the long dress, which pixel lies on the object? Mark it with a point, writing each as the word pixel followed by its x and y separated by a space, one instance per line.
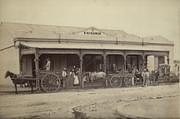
pixel 76 80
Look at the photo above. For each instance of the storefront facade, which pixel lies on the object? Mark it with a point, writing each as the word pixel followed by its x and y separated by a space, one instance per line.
pixel 91 55
pixel 89 49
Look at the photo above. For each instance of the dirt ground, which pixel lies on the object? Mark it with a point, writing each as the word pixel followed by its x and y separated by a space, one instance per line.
pixel 136 102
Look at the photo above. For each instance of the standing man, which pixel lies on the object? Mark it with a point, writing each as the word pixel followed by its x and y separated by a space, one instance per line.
pixel 48 64
pixel 64 77
pixel 145 75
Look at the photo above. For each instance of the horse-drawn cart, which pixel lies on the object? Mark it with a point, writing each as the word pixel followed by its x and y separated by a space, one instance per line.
pixel 165 75
pixel 120 79
pixel 47 81
pixel 164 72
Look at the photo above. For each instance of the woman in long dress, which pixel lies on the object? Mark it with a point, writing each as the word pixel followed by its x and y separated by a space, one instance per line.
pixel 76 77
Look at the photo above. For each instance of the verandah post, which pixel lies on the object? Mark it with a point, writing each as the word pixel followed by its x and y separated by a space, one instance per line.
pixel 124 61
pixel 37 69
pixel 104 61
pixel 144 61
pixel 81 71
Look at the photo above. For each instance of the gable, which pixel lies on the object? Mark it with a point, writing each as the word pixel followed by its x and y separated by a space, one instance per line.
pixel 91 31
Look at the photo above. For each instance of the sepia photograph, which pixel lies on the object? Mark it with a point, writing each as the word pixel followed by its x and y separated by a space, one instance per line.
pixel 89 59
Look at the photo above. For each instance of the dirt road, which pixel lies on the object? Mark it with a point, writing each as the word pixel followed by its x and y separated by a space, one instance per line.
pixel 152 102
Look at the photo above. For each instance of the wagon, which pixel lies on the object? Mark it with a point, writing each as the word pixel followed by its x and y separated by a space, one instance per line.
pixel 164 72
pixel 120 79
pixel 165 75
pixel 47 81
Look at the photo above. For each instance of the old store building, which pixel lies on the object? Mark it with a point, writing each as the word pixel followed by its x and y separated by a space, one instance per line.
pixel 90 49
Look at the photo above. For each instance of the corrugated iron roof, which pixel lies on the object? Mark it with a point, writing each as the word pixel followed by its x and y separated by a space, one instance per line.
pixel 66 32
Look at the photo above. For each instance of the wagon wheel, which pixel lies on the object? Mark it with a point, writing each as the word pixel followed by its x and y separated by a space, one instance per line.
pixel 115 81
pixel 50 82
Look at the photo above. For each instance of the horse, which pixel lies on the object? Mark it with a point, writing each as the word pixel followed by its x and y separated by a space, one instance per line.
pixel 17 79
pixel 97 75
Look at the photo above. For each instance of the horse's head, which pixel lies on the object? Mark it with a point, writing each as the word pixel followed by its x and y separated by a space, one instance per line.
pixel 9 74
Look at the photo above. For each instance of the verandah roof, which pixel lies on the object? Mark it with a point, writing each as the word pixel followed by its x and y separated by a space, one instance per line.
pixel 55 45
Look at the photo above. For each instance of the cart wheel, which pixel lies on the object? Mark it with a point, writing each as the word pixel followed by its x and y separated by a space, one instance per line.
pixel 50 82
pixel 115 81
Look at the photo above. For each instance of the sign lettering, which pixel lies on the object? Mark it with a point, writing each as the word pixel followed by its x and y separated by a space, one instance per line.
pixel 92 33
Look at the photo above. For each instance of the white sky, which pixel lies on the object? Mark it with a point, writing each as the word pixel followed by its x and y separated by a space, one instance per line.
pixel 140 17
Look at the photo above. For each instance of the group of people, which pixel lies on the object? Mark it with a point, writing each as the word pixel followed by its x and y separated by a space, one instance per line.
pixel 145 76
pixel 70 77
